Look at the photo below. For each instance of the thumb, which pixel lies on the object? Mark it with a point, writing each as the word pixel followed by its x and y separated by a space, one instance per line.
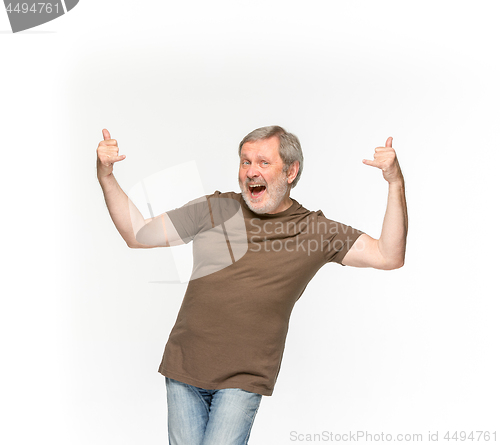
pixel 106 135
pixel 388 143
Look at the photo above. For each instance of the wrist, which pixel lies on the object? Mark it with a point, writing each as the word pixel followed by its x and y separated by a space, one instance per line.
pixel 104 177
pixel 397 183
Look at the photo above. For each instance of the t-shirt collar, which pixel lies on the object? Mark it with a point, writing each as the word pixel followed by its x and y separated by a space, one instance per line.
pixel 295 205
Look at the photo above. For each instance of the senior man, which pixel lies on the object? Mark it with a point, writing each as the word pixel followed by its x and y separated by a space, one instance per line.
pixel 254 254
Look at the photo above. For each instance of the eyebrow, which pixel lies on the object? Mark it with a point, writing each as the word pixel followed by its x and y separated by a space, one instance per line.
pixel 259 157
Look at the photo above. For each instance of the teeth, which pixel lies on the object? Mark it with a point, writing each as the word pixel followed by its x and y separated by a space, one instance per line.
pixel 256 185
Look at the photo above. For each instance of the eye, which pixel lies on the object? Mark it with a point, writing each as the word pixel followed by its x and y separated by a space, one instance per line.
pixel 265 163
pixel 245 162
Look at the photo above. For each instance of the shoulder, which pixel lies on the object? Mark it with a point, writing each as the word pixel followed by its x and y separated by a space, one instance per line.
pixel 230 198
pixel 322 222
pixel 299 209
pixel 219 194
pixel 315 214
pixel 224 204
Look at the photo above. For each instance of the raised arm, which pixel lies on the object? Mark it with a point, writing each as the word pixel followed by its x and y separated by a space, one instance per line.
pixel 387 252
pixel 134 229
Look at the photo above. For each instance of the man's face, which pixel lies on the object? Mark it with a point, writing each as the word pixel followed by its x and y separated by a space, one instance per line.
pixel 263 183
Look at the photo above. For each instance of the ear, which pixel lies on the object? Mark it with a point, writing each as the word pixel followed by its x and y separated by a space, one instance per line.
pixel 293 171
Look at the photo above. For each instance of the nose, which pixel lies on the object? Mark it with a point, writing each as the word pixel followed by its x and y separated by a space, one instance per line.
pixel 252 172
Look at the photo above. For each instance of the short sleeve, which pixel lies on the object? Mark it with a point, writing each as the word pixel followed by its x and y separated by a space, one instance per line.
pixel 339 238
pixel 202 214
pixel 191 218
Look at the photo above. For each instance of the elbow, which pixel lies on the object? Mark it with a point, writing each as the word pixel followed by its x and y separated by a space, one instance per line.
pixel 398 265
pixel 393 259
pixel 392 265
pixel 138 240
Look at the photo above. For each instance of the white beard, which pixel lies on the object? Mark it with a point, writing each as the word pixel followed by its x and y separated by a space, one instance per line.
pixel 274 195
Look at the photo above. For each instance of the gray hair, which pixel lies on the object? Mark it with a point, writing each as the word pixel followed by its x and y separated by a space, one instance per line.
pixel 290 150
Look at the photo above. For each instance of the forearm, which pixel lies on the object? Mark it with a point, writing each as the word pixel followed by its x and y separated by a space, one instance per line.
pixel 392 241
pixel 127 219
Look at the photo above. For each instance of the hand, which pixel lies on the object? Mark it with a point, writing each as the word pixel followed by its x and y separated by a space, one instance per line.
pixel 385 159
pixel 107 155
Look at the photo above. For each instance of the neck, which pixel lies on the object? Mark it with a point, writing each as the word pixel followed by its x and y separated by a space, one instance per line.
pixel 285 204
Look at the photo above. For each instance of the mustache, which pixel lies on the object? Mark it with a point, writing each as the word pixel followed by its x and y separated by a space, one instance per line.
pixel 250 182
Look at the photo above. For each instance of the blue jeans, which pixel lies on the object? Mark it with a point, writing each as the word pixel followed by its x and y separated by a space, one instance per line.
pixel 199 416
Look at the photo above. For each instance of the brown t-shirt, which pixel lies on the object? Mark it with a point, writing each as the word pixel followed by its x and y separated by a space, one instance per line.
pixel 249 270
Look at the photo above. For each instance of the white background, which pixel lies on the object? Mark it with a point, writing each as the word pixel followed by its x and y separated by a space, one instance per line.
pixel 83 326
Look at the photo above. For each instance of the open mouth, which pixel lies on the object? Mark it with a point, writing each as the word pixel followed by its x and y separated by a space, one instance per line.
pixel 256 190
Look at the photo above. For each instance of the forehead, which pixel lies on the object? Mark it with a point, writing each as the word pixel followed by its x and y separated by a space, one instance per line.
pixel 268 148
